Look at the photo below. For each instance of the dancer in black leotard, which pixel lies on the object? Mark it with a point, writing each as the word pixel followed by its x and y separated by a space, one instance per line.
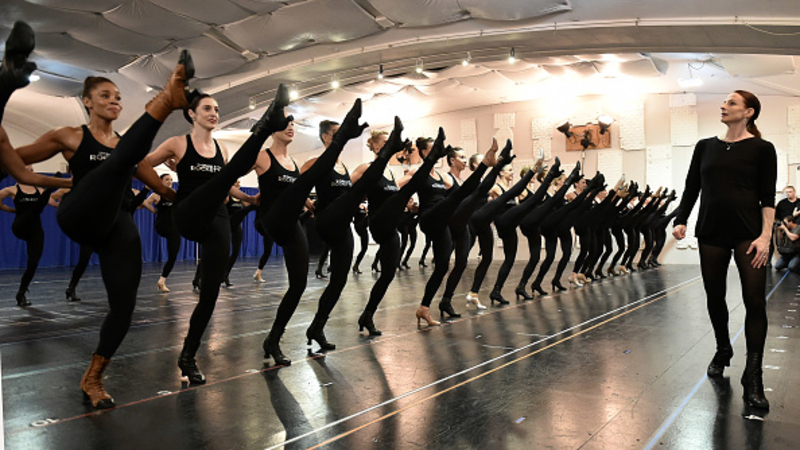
pixel 206 180
pixel 327 128
pixel 27 226
pixel 165 227
pixel 736 176
pixel 284 193
pixel 459 222
pixel 333 225
pixel 387 205
pixel 361 225
pixel 102 165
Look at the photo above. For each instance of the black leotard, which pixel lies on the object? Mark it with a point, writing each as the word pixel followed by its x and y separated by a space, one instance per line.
pixel 331 187
pixel 195 170
pixel 432 192
pixel 274 181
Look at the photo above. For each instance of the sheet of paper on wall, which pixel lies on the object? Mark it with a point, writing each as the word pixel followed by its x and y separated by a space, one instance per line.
pixel 541 128
pixel 468 130
pixel 794 146
pixel 783 170
pixel 683 126
pixel 470 147
pixel 659 166
pixel 586 113
pixel 504 120
pixel 793 117
pixel 631 127
pixel 609 163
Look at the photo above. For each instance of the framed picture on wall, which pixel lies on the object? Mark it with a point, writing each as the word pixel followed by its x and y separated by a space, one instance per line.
pixel 588 135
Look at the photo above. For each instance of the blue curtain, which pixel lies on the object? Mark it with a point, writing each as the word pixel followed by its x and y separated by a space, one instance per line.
pixel 60 251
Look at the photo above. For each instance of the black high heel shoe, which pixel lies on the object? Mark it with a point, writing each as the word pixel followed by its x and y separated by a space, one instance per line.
pixel 272 349
pixel 320 275
pixel 422 263
pixel 598 275
pixel 365 321
pixel 227 282
pixel 557 287
pixel 538 289
pixel 71 295
pixel 753 383
pixel 405 264
pixel 520 292
pixel 315 332
pixel 497 296
pixel 189 369
pixel 196 284
pixel 446 307
pixel 642 266
pixel 356 270
pixel 721 360
pixel 375 268
pixel 22 301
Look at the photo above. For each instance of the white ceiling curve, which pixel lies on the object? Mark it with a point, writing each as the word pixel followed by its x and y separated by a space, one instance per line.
pixel 244 48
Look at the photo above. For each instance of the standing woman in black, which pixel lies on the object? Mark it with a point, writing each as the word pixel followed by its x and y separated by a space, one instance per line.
pixel 91 213
pixel 27 226
pixel 165 228
pixel 284 192
pixel 735 178
pixel 206 180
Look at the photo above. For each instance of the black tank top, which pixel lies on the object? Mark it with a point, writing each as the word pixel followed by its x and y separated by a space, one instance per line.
pixel 331 187
pixel 456 183
pixel 24 202
pixel 274 181
pixel 88 156
pixel 194 170
pixel 431 193
pixel 378 195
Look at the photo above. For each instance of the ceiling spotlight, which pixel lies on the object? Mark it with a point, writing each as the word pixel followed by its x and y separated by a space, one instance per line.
pixel 420 66
pixel 380 73
pixel 33 78
pixel 252 103
pixel 564 128
pixel 335 82
pixel 512 57
pixel 465 61
pixel 690 82
pixel 148 89
pixel 293 93
pixel 605 123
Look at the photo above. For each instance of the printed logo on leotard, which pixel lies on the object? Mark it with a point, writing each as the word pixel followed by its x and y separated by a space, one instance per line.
pixel 210 168
pixel 286 179
pixel 438 186
pixel 27 199
pixel 341 183
pixel 100 156
pixel 390 188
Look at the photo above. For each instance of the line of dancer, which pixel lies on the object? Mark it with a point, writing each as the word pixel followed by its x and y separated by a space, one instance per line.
pixel 546 205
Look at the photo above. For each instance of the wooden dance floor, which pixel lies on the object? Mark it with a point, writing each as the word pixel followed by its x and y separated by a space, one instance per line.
pixel 615 365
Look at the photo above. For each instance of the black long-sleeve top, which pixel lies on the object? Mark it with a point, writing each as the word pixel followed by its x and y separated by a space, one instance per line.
pixel 736 184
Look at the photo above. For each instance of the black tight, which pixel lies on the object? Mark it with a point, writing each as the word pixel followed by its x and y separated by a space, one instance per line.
pixel 237 236
pixel 268 243
pixel 83 262
pixel 619 237
pixel 34 242
pixel 604 239
pixel 363 237
pixel 486 244
pixel 389 255
pixel 461 245
pixel 586 238
pixel 167 230
pixel 411 233
pixel 535 251
pixel 510 244
pixel 565 237
pixel 633 246
pixel 425 249
pixel 648 244
pixel 714 267
pixel 121 268
pixel 295 256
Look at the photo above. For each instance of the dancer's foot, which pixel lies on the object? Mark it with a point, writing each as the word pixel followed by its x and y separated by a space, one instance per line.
pixel 174 95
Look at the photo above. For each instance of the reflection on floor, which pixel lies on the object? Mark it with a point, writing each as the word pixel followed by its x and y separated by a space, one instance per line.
pixel 618 364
